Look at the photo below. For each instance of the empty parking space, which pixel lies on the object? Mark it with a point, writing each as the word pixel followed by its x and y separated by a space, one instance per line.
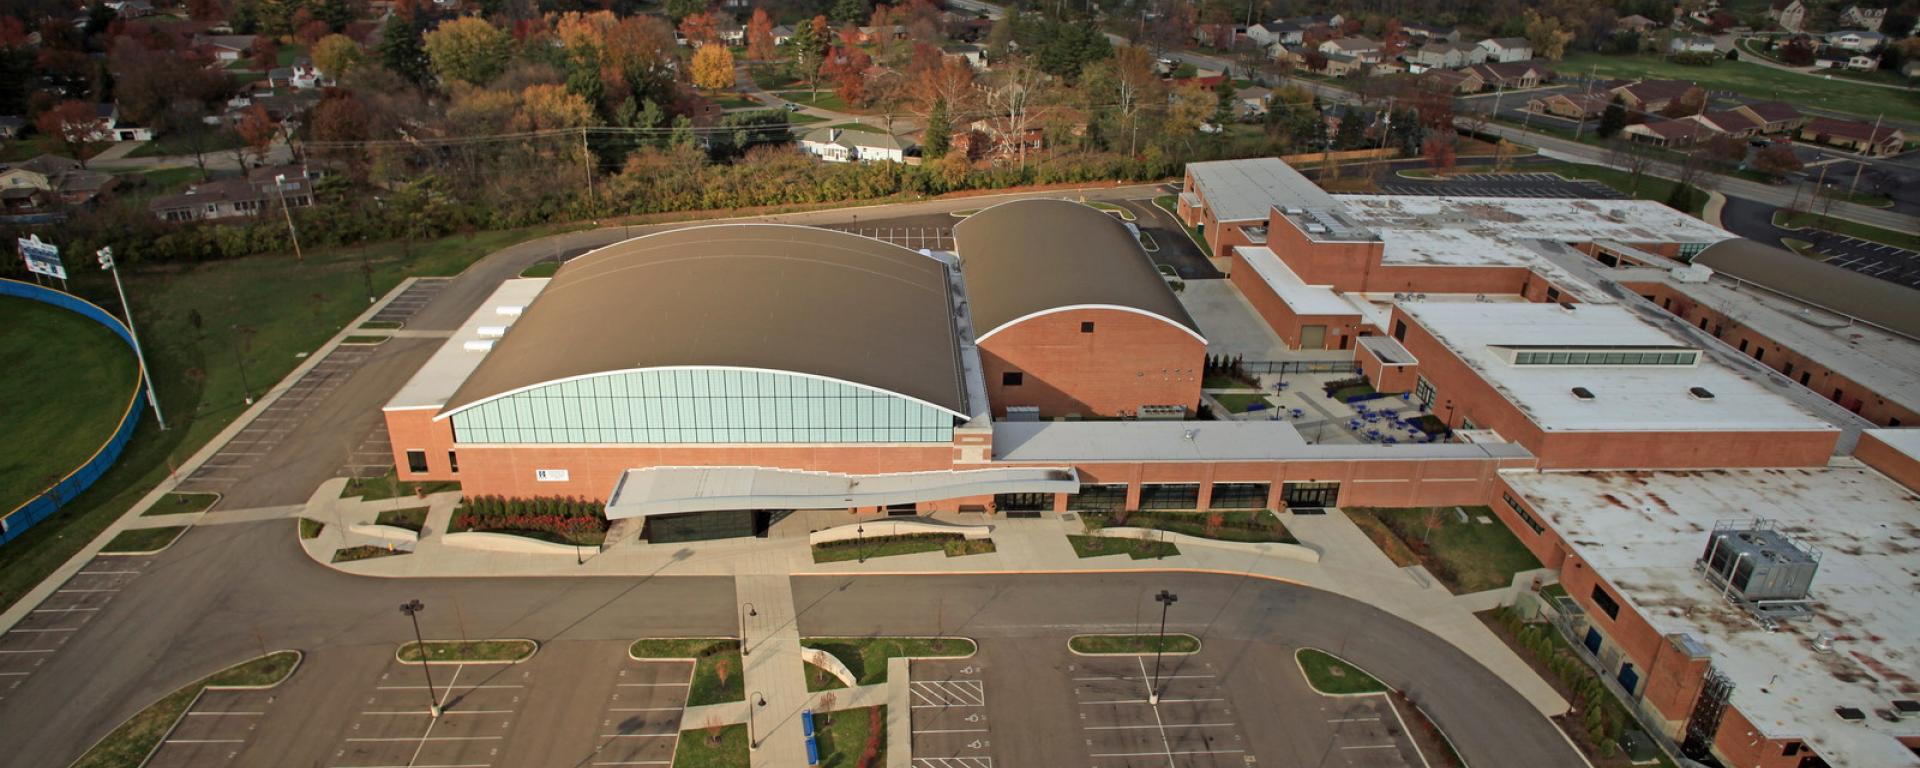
pixel 239 456
pixel 48 627
pixel 1191 724
pixel 1538 185
pixel 641 722
pixel 214 730
pixel 373 456
pixel 949 718
pixel 402 307
pixel 393 726
pixel 1368 733
pixel 1895 265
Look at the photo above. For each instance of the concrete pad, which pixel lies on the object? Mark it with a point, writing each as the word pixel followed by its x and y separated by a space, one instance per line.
pixel 1229 322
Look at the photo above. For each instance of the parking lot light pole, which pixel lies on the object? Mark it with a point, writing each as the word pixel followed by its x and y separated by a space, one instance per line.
pixel 753 736
pixel 860 542
pixel 412 609
pixel 746 609
pixel 1166 600
pixel 153 399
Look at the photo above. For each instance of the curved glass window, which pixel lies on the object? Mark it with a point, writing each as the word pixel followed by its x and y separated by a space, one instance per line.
pixel 671 405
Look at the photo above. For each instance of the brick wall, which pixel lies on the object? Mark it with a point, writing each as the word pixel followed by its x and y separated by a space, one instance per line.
pixel 1901 468
pixel 508 470
pixel 415 429
pixel 1126 361
pixel 1341 329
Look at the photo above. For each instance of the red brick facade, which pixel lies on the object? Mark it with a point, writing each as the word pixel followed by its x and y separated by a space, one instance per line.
pixel 1093 362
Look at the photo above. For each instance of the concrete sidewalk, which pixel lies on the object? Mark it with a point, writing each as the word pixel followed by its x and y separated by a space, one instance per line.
pixel 1350 565
pixel 773 672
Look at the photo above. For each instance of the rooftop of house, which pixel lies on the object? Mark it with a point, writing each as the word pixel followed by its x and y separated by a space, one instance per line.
pixel 1773 111
pixel 1851 129
pixel 1508 42
pixel 1609 396
pixel 1643 531
pixel 846 138
pixel 1246 190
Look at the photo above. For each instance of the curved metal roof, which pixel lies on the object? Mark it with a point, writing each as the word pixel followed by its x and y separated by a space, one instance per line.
pixel 1886 304
pixel 1030 257
pixel 764 296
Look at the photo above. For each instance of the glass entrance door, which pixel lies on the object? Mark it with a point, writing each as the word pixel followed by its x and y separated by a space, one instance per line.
pixel 1310 494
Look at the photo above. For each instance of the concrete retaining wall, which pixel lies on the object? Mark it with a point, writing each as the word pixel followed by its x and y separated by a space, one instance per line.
pixel 505 542
pixel 830 663
pixel 896 528
pixel 1272 549
pixel 384 532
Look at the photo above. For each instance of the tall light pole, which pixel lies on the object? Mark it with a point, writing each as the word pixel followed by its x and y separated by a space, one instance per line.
pixel 1166 600
pixel 280 185
pixel 753 736
pixel 746 609
pixel 412 609
pixel 860 542
pixel 153 399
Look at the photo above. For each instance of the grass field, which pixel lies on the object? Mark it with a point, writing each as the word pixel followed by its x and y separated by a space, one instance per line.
pixel 390 486
pixel 844 735
pixel 1134 644
pixel 144 539
pixel 213 141
pixel 66 384
pixel 1469 557
pixel 1757 82
pixel 716 746
pixel 716 667
pixel 1239 402
pixel 866 657
pixel 128 745
pixel 870 547
pixel 825 98
pixel 476 650
pixel 1330 675
pixel 181 504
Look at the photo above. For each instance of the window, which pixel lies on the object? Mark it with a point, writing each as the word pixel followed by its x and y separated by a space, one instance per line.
pixel 1514 504
pixel 1553 294
pixel 1605 602
pixel 1170 496
pixel 1804 376
pixel 1239 496
pixel 1789 369
pixel 1099 498
pixel 1792 748
pixel 416 461
pixel 1759 354
pixel 1012 379
pixel 1836 395
pixel 1423 390
pixel 1399 330
pixel 1086 326
pixel 1743 345
pixel 453 462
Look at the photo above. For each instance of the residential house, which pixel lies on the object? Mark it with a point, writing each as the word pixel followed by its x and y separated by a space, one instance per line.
pixel 1222 36
pixel 1341 65
pixel 1443 55
pixel 1732 122
pixel 10 126
pixel 1691 44
pixel 1510 75
pixel 1661 132
pixel 996 137
pixel 838 145
pixel 1432 33
pixel 227 48
pixel 1773 116
pixel 1364 49
pixel 1864 18
pixel 1838 58
pixel 1456 80
pixel 1507 49
pixel 1865 138
pixel 49 181
pixel 262 191
pixel 1856 39
pixel 974 55
pixel 303 75
pixel 781 34
pixel 1253 100
pixel 1791 15
pixel 1284 32
pixel 1264 34
pixel 1573 106
pixel 1646 96
pixel 1634 23
pixel 109 127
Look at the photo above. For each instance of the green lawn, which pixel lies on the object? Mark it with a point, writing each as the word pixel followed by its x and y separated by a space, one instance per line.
pixel 411 518
pixel 1330 675
pixel 861 127
pixel 1134 644
pixel 180 143
pixel 825 99
pixel 870 547
pixel 187 316
pixel 364 552
pixel 162 181
pixel 716 667
pixel 66 383
pixel 1238 402
pixel 311 528
pixel 129 745
pixel 541 268
pixel 795 118
pixel 1647 187
pixel 1757 82
pixel 845 734
pixel 772 78
pixel 389 486
pixel 1247 525
pixel 1468 557
pixel 866 657
pixel 1842 226
pixel 715 746
pixel 732 100
pixel 181 504
pixel 476 650
pixel 1227 381
pixel 144 539
pixel 1138 549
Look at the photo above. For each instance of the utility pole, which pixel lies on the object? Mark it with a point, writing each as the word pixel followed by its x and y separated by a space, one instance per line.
pixel 280 185
pixel 586 162
pixel 1859 166
pixel 107 263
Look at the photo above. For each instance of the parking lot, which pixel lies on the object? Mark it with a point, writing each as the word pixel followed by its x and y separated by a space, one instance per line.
pixel 215 730
pixel 641 721
pixel 950 724
pixel 393 727
pixel 1896 265
pixel 1368 733
pixel 237 459
pixel 1541 185
pixel 403 306
pixel 1192 724
pixel 28 645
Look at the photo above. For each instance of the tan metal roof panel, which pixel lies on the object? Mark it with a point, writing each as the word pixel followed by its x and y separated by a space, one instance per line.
pixel 764 296
pixel 1886 304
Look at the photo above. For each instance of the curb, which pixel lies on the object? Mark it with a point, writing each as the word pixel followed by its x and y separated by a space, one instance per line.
pixel 1197 646
pixel 146 552
pixel 1303 674
pixel 217 498
pixel 967 655
pixel 734 640
pixel 298 658
pixel 432 663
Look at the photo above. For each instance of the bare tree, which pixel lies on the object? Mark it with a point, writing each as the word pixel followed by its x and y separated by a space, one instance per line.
pixel 1016 97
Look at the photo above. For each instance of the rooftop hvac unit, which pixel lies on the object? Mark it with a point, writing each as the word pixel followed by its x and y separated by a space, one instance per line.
pixel 1294 210
pixel 1163 413
pixel 1318 229
pixel 1023 413
pixel 1761 568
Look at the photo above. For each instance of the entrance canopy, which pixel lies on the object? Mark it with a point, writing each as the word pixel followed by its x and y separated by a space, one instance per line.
pixel 671 490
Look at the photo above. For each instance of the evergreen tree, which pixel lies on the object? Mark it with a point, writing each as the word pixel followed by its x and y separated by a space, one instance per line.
pixel 936 139
pixel 402 51
pixel 682 131
pixel 1614 119
pixel 850 11
pixel 583 75
pixel 1352 133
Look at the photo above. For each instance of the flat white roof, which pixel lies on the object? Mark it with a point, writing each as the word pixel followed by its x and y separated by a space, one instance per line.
pixel 1256 440
pixel 1625 397
pixel 670 490
pixel 1906 440
pixel 1642 532
pixel 1530 218
pixel 443 373
pixel 1303 299
pixel 1244 190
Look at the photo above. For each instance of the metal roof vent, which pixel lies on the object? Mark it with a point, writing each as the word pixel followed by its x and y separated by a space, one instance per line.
pixel 1823 642
pixel 1583 394
pixel 478 345
pixel 1700 393
pixel 1850 714
pixel 1567 306
pixel 1907 706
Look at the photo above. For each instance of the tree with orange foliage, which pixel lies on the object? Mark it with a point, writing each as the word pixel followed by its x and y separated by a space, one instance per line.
pixel 266 53
pixel 713 67
pixel 699 29
pixel 760 45
pixel 947 80
pixel 75 125
pixel 256 132
pixel 847 68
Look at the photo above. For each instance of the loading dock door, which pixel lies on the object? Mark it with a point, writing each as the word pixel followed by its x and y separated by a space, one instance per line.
pixel 1313 337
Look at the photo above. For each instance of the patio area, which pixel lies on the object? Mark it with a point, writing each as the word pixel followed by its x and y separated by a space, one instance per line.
pixel 1321 419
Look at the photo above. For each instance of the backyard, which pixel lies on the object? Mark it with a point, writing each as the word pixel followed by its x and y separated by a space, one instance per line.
pixel 1755 81
pixel 1467 557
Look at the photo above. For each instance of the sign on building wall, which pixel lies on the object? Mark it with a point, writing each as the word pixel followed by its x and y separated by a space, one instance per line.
pixel 42 258
pixel 550 475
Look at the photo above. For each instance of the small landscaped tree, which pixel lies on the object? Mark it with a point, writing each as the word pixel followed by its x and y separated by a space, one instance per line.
pixel 825 703
pixel 1431 520
pixel 723 669
pixel 1613 119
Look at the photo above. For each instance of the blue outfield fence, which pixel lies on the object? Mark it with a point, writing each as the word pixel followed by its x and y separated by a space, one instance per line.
pixel 19 519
